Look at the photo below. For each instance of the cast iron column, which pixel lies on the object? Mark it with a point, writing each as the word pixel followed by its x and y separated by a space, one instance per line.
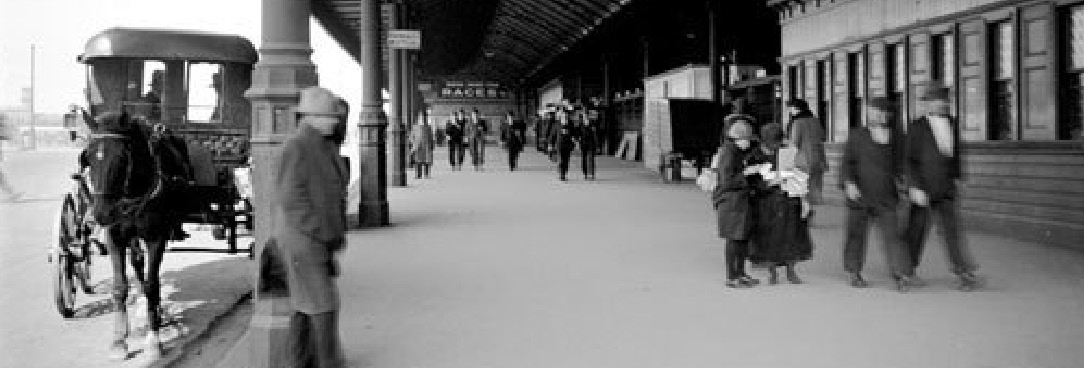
pixel 396 143
pixel 713 54
pixel 373 206
pixel 407 96
pixel 283 70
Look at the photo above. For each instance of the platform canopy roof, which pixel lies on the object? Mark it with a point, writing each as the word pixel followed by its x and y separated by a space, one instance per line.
pixel 501 40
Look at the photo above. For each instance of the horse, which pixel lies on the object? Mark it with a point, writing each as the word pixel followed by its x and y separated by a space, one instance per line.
pixel 140 179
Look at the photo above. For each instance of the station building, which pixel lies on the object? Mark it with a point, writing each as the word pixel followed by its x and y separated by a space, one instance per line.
pixel 1016 68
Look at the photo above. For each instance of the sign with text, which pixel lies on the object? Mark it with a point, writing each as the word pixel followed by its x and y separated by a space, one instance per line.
pixel 405 39
pixel 473 89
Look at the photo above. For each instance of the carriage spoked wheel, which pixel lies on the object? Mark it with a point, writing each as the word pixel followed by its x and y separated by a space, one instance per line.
pixel 65 262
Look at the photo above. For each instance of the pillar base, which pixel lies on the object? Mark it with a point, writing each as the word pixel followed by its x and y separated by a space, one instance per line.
pixel 372 214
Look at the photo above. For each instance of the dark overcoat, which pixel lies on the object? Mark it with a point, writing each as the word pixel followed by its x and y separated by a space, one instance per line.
pixel 807 135
pixel 925 167
pixel 310 218
pixel 731 197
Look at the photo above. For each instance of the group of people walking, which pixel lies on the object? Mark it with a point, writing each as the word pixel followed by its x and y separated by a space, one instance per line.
pixel 464 133
pixel 572 127
pixel 764 199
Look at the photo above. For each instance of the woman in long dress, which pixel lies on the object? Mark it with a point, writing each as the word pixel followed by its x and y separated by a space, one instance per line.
pixel 780 227
pixel 421 146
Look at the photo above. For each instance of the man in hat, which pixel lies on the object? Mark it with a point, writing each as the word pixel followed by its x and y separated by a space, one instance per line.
pixel 562 141
pixel 869 173
pixel 588 137
pixel 454 130
pixel 806 133
pixel 308 204
pixel 932 167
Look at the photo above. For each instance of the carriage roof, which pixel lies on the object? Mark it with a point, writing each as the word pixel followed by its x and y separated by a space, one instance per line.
pixel 168 44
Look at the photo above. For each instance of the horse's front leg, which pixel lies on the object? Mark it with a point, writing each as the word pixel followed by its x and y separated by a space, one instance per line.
pixel 155 251
pixel 119 348
pixel 138 259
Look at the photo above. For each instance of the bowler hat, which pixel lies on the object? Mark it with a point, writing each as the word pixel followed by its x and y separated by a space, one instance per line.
pixel 319 101
pixel 881 103
pixel 935 92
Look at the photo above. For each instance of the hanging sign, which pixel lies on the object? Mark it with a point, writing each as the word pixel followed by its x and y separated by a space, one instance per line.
pixel 405 39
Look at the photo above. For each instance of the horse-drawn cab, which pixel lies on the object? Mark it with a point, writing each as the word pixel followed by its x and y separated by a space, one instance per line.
pixel 193 84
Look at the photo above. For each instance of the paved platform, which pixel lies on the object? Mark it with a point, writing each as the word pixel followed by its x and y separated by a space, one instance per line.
pixel 499 269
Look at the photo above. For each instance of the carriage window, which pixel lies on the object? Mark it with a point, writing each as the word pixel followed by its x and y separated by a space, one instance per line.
pixel 204 92
pixel 150 101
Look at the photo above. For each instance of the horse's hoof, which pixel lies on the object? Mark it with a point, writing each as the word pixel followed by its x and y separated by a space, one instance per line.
pixel 119 351
pixel 153 348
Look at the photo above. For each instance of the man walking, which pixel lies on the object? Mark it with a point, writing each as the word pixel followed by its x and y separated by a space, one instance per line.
pixel 514 135
pixel 869 173
pixel 932 166
pixel 6 133
pixel 310 224
pixel 476 140
pixel 562 140
pixel 454 131
pixel 588 137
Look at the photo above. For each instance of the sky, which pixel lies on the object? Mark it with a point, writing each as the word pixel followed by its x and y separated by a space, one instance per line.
pixel 59 30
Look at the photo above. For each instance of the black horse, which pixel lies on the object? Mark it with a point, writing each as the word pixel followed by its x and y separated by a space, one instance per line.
pixel 139 176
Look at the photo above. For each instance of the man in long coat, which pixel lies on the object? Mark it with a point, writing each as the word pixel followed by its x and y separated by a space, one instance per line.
pixel 932 166
pixel 588 138
pixel 514 135
pixel 454 130
pixel 421 146
pixel 807 134
pixel 869 174
pixel 476 140
pixel 308 212
pixel 562 141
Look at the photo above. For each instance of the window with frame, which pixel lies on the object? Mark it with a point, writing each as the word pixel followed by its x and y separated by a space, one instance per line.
pixel 895 73
pixel 824 81
pixel 1002 50
pixel 856 81
pixel 942 63
pixel 1071 126
pixel 794 86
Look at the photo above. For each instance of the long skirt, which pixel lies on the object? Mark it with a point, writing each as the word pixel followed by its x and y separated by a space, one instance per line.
pixel 780 234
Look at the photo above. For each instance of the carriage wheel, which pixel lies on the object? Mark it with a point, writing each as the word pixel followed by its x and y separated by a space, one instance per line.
pixel 63 287
pixel 70 234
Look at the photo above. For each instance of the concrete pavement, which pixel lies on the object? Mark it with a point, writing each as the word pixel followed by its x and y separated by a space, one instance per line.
pixel 498 269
